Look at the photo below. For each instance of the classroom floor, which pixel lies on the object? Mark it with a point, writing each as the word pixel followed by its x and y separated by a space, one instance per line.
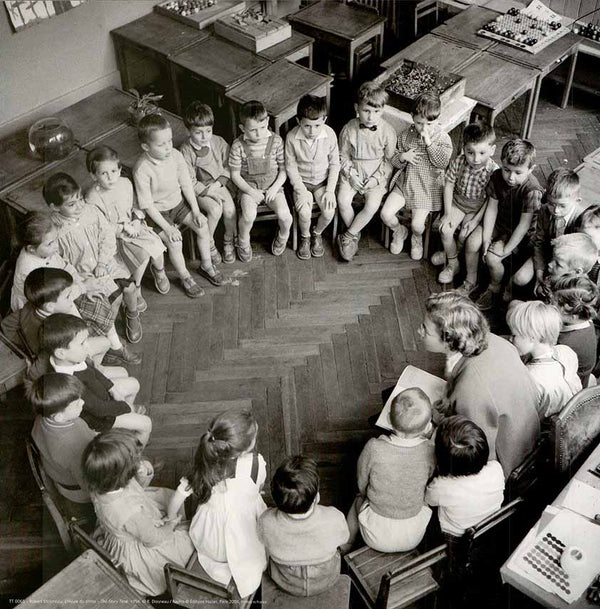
pixel 308 345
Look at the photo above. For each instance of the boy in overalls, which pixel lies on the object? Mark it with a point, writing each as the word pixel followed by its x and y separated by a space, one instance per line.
pixel 257 165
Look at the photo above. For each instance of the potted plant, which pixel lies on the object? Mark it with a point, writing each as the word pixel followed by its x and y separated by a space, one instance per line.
pixel 143 105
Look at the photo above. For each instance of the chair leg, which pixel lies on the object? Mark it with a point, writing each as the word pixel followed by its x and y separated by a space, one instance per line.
pixel 335 225
pixel 294 229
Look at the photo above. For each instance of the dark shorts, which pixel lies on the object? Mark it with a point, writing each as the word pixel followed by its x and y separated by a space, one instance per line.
pixel 520 254
pixel 174 216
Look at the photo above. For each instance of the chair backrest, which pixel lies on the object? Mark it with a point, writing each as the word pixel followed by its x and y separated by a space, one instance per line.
pixel 574 430
pixel 82 541
pixel 50 495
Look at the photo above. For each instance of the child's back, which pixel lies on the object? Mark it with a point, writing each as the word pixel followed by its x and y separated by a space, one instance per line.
pixel 302 537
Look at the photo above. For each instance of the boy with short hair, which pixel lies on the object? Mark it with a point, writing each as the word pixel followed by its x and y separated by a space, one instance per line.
pixel 367 144
pixel 108 402
pixel 48 291
pixel 464 202
pixel 60 434
pixel 535 327
pixel 514 197
pixel 206 156
pixel 559 214
pixel 257 165
pixel 165 192
pixel 301 537
pixel 312 162
pixel 574 253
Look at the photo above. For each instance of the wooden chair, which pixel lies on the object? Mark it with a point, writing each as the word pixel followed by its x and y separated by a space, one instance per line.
pixel 574 431
pixel 82 541
pixel 394 580
pixel 337 597
pixel 51 497
pixel 14 364
pixel 192 587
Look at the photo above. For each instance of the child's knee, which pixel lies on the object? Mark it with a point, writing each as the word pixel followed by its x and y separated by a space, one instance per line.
pixel 211 208
pixel 248 214
pixel 304 214
pixel 447 231
pixel 174 247
pixel 522 277
pixel 387 215
pixel 328 214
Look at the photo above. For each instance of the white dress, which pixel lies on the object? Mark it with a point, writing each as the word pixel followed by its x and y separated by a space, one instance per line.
pixel 224 531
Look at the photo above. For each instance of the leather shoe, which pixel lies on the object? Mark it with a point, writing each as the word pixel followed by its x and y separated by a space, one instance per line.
pixel 118 357
pixel 133 327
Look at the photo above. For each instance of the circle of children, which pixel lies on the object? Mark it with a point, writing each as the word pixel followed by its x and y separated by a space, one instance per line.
pixel 88 254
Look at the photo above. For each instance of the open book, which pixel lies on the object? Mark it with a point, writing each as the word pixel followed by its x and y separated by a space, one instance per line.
pixel 432 385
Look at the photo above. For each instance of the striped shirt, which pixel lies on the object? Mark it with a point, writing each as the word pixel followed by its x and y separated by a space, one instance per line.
pixel 237 154
pixel 468 182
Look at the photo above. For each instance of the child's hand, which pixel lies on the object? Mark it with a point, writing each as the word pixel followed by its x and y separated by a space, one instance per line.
pixel 485 246
pixel 541 289
pixel 184 487
pixel 426 135
pixel 371 183
pixel 445 222
pixel 497 248
pixel 257 195
pixel 467 228
pixel 356 183
pixel 329 200
pixel 173 234
pixel 94 293
pixel 133 229
pixel 199 219
pixel 101 270
pixel 410 156
pixel 214 189
pixel 271 193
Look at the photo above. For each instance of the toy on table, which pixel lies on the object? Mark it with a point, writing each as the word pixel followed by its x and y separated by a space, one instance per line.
pixel 405 82
pixel 188 7
pixel 587 30
pixel 525 29
pixel 198 13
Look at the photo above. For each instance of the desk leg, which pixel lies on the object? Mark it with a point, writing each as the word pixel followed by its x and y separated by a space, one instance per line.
pixel 351 62
pixel 233 118
pixel 122 63
pixel 534 102
pixel 175 88
pixel 569 82
pixel 526 119
pixel 381 32
pixel 310 56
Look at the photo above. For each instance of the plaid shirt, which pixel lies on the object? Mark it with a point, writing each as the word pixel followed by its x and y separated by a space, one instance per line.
pixel 468 182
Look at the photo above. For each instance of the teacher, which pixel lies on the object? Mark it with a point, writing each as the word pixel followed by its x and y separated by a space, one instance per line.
pixel 487 382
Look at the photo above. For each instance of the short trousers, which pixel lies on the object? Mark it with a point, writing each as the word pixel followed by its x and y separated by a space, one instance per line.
pixel 174 216
pixel 466 205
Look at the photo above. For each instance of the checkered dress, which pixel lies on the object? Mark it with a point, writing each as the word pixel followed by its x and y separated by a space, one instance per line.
pixel 422 184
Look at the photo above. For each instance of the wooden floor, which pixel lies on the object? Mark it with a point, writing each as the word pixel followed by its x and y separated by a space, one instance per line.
pixel 307 345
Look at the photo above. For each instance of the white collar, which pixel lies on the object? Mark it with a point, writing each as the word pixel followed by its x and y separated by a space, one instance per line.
pixel 580 325
pixel 300 136
pixel 451 360
pixel 408 442
pixel 68 369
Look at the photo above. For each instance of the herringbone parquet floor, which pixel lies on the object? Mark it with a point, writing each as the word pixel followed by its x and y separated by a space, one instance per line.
pixel 307 345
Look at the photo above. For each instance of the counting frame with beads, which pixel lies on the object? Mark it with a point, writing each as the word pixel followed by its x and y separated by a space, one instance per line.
pixel 518 29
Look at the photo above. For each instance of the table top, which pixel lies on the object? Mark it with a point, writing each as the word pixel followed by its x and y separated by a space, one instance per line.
pixel 87 580
pixel 161 34
pixel 446 55
pixel 89 119
pixel 533 590
pixel 463 27
pixel 589 180
pixel 493 81
pixel 545 58
pixel 267 86
pixel 222 63
pixel 27 195
pixel 337 18
pixel 282 49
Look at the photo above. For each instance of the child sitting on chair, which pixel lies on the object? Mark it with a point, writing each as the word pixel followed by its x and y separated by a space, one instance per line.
pixel 108 401
pixel 367 145
pixel 165 192
pixel 535 328
pixel 393 471
pixel 467 487
pixel 301 536
pixel 257 165
pixel 113 195
pixel 464 203
pixel 207 156
pixel 312 162
pixel 423 153
pixel 590 225
pixel 87 242
pixel 514 198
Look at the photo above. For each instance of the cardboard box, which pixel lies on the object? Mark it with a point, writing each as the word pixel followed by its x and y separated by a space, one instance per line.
pixel 205 16
pixel 251 33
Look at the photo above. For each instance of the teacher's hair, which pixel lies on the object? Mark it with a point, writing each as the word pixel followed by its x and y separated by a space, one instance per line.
pixel 460 323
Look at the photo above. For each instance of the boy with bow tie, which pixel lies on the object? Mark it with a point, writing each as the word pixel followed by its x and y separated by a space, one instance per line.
pixel 367 144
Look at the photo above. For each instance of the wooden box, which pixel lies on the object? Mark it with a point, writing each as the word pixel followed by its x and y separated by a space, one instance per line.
pixel 209 10
pixel 253 31
pixel 409 79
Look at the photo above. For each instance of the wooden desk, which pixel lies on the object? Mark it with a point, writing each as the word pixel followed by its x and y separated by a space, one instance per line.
pixel 545 61
pixel 463 28
pixel 143 48
pixel 27 195
pixel 527 587
pixel 295 48
pixel 496 83
pixel 89 119
pixel 217 66
pixel 279 87
pixel 340 25
pixel 441 53
pixel 589 180
pixel 88 581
